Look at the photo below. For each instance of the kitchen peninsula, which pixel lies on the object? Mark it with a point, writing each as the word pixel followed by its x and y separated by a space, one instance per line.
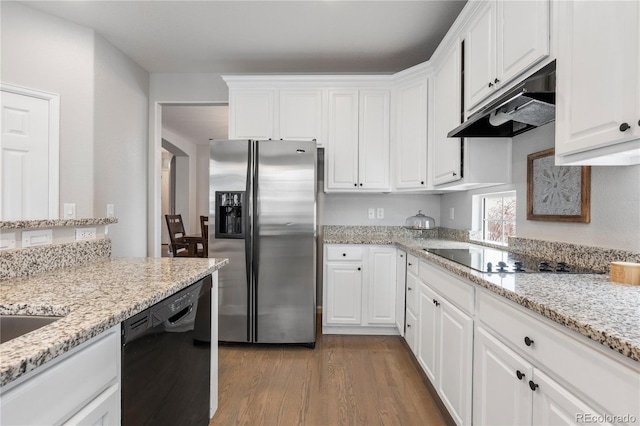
pixel 91 298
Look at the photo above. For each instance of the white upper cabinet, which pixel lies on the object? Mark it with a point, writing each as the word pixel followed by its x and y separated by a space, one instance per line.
pixel 270 113
pixel 251 113
pixel 358 140
pixel 598 83
pixel 503 41
pixel 446 116
pixel 410 146
pixel 374 139
pixel 300 115
pixel 342 152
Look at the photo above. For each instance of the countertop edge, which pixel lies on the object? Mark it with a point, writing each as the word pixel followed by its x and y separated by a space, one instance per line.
pixel 16 368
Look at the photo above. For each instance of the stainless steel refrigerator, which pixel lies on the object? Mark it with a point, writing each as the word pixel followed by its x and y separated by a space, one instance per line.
pixel 262 217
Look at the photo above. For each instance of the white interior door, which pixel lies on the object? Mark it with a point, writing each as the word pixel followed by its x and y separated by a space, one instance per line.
pixel 28 154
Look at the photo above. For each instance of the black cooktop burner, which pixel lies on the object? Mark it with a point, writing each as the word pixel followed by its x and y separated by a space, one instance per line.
pixel 485 259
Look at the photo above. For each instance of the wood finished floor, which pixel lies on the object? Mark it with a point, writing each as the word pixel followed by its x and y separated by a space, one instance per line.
pixel 345 380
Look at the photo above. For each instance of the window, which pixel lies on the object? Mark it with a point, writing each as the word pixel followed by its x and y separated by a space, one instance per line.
pixel 498 217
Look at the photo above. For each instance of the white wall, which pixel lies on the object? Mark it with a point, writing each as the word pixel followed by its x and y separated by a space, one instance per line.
pixel 185 181
pixel 172 89
pixel 615 202
pixel 43 52
pixel 120 141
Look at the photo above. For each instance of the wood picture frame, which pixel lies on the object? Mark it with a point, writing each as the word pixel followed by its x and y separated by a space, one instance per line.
pixel 557 193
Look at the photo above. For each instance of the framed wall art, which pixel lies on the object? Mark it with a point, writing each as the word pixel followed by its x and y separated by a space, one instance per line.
pixel 557 193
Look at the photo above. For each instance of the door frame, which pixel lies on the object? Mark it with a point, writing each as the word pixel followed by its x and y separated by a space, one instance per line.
pixel 54 141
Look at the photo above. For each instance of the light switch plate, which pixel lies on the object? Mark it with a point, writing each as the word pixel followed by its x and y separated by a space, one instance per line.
pixel 69 211
pixel 372 213
pixel 38 237
pixel 110 210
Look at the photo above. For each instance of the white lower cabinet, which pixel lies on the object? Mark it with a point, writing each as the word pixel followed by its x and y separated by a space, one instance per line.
pixel 508 390
pixel 530 372
pixel 343 301
pixel 493 362
pixel 401 280
pixel 80 387
pixel 359 289
pixel 445 342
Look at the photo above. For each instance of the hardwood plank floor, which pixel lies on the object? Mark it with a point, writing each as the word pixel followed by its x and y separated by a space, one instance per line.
pixel 345 380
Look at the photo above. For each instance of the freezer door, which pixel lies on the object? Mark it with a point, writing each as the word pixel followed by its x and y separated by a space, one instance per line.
pixel 284 241
pixel 230 236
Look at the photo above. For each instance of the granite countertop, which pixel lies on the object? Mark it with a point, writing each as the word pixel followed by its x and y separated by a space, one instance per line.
pixel 589 304
pixel 91 298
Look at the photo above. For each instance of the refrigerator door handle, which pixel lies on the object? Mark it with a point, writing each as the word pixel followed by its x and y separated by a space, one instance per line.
pixel 248 242
pixel 256 236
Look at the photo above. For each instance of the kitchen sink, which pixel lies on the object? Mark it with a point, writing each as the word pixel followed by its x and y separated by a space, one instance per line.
pixel 12 326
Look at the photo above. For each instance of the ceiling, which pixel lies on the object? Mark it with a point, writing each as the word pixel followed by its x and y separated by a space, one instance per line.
pixel 256 37
pixel 295 36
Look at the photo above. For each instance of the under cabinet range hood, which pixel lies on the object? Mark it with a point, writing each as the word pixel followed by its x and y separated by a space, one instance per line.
pixel 526 106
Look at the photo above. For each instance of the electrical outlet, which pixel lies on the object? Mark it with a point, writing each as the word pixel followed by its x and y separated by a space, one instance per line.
pixel 8 241
pixel 380 213
pixel 372 213
pixel 452 213
pixel 39 237
pixel 110 210
pixel 69 210
pixel 85 234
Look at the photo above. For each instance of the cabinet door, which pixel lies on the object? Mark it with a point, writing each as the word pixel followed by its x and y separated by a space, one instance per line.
pixel 373 171
pixel 455 359
pixel 598 75
pixel 103 410
pixel 344 293
pixel 554 405
pixel 300 114
pixel 342 149
pixel 521 43
pixel 381 286
pixel 251 113
pixel 480 56
pixel 401 281
pixel 428 325
pixel 411 136
pixel 501 395
pixel 447 151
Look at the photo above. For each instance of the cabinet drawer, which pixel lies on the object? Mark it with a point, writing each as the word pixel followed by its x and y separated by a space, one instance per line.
pixel 412 293
pixel 457 291
pixel 344 253
pixel 413 264
pixel 587 368
pixel 410 333
pixel 56 392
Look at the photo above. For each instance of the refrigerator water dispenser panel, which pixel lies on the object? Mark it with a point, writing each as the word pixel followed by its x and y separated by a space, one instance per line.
pixel 229 217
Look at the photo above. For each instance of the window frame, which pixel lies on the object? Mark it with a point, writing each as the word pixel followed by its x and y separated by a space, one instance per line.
pixel 480 219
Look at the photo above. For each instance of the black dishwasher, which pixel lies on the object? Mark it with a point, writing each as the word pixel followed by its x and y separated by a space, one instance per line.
pixel 166 360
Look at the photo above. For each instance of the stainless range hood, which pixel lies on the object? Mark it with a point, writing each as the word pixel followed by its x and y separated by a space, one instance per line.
pixel 528 105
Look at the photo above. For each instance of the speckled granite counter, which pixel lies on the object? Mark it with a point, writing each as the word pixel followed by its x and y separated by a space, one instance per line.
pixel 92 298
pixel 608 313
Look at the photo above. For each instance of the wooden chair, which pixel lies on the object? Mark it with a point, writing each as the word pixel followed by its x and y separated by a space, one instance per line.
pixel 204 231
pixel 181 244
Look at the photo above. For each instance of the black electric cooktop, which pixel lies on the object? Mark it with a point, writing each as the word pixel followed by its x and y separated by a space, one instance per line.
pixel 485 259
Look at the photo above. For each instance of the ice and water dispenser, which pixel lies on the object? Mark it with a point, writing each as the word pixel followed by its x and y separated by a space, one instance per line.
pixel 229 212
